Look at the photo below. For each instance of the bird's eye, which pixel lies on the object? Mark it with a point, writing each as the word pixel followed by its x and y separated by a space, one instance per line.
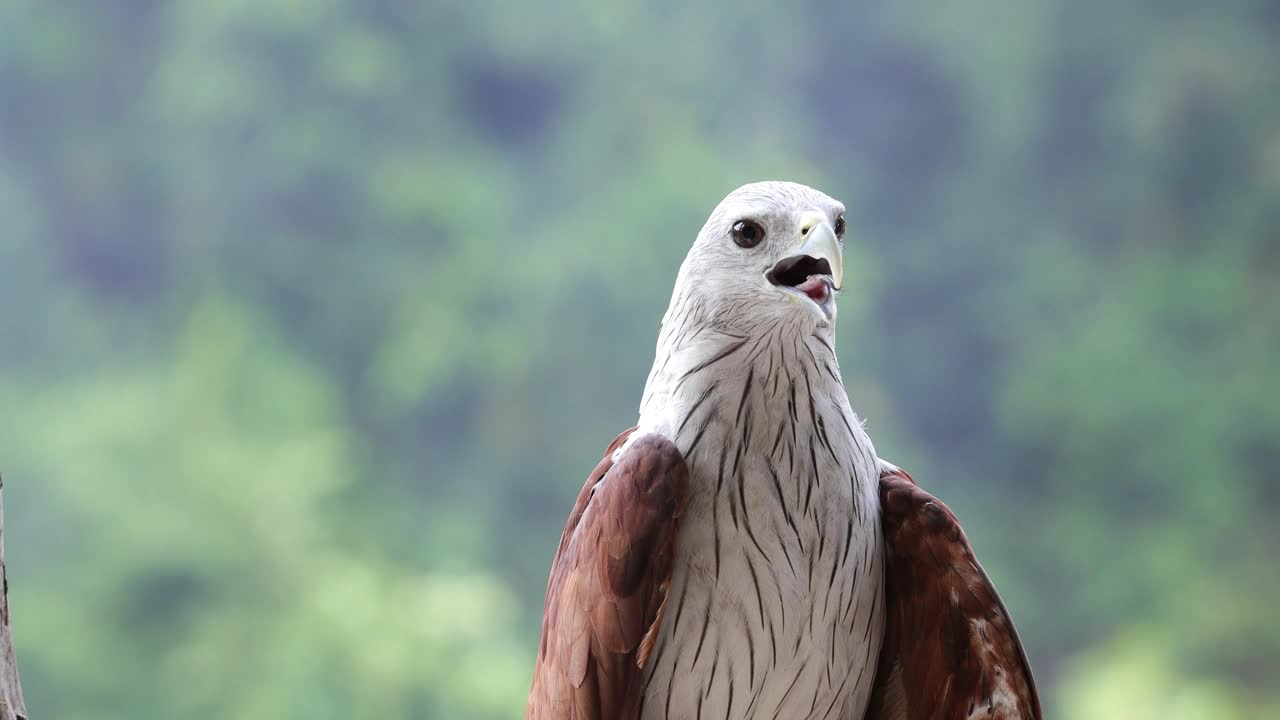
pixel 747 233
pixel 840 227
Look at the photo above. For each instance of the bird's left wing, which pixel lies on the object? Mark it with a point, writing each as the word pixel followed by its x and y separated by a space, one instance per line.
pixel 950 648
pixel 608 584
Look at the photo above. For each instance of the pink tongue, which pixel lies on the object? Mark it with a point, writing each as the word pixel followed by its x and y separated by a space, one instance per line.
pixel 815 287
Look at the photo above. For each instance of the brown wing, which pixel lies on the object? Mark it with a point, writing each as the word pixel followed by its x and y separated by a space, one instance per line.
pixel 950 648
pixel 608 584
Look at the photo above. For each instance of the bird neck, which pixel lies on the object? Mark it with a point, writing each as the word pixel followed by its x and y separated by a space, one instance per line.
pixel 704 376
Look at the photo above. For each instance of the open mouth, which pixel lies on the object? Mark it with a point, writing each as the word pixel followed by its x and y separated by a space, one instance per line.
pixel 807 276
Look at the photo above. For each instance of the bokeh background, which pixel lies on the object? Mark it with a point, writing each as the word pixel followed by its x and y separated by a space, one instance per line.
pixel 315 314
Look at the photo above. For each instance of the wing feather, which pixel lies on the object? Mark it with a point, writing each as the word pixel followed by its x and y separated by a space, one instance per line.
pixel 950 649
pixel 609 583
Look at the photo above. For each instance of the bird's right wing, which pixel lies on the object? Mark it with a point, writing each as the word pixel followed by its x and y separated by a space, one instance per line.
pixel 608 585
pixel 950 649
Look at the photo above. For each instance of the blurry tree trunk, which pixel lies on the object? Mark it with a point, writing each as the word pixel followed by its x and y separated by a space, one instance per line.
pixel 11 707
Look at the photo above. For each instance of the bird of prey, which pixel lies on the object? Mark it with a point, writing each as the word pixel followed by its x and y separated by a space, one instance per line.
pixel 743 552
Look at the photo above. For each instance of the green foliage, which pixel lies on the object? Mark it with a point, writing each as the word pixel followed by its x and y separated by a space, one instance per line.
pixel 313 316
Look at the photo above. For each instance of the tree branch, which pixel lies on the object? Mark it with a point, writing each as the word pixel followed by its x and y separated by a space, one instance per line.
pixel 11 706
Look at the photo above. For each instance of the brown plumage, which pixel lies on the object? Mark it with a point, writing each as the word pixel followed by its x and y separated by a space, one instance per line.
pixel 608 584
pixel 950 648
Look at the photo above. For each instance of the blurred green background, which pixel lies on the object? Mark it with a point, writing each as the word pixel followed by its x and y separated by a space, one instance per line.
pixel 314 316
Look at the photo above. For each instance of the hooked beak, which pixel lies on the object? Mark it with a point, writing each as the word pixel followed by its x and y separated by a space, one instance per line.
pixel 815 272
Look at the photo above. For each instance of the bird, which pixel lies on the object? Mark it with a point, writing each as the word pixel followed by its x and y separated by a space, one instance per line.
pixel 742 551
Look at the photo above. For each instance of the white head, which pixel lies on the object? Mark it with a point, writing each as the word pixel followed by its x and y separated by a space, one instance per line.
pixel 771 252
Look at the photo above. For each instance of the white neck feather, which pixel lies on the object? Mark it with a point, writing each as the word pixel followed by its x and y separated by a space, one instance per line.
pixel 702 368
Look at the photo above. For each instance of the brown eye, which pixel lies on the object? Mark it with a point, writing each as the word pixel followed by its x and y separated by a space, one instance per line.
pixel 747 233
pixel 840 227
